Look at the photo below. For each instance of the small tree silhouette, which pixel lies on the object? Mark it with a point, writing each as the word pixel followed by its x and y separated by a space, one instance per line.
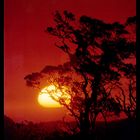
pixel 127 99
pixel 100 56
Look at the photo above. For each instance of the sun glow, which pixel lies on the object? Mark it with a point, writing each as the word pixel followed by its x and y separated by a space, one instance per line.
pixel 50 97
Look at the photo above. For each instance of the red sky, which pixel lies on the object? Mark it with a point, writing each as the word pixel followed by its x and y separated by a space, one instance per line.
pixel 27 48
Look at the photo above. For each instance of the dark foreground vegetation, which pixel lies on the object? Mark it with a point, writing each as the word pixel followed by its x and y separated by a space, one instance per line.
pixel 119 130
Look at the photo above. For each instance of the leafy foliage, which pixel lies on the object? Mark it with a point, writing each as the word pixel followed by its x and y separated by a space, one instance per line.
pixel 101 55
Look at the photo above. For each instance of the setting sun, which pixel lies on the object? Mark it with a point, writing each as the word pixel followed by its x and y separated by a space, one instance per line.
pixel 50 95
pixel 45 100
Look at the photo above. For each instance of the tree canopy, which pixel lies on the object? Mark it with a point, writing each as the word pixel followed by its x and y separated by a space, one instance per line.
pixel 101 57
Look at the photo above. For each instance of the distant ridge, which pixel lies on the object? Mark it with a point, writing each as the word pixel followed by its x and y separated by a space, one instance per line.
pixel 27 130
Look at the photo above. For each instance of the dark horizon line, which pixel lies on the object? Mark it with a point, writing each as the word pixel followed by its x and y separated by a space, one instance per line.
pixel 53 121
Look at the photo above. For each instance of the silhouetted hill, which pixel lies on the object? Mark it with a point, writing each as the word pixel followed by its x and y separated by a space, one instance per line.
pixel 27 130
pixel 9 128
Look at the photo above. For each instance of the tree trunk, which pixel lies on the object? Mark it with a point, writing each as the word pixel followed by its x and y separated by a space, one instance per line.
pixel 84 123
pixel 84 127
pixel 93 122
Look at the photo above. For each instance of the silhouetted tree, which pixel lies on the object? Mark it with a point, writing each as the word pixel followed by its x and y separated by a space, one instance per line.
pixel 127 98
pixel 101 55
